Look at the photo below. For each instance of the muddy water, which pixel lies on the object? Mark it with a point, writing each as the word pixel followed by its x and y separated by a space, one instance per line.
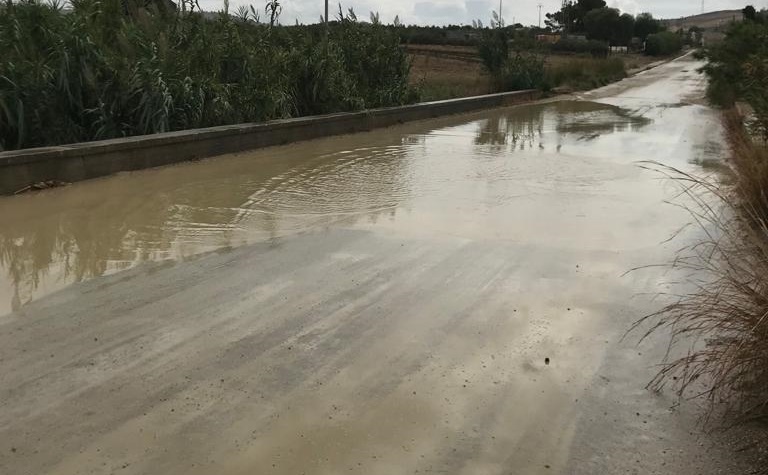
pixel 488 167
pixel 442 297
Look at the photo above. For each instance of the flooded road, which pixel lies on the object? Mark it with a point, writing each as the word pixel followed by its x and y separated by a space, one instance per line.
pixel 442 297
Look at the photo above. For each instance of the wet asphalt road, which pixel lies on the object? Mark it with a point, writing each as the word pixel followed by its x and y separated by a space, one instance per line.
pixel 443 297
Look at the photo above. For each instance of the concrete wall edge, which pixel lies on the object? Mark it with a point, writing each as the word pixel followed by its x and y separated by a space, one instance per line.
pixel 82 161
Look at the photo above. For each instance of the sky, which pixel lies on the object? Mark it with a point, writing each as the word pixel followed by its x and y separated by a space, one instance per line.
pixel 442 12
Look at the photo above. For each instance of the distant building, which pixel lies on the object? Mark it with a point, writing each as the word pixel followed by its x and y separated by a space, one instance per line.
pixel 551 39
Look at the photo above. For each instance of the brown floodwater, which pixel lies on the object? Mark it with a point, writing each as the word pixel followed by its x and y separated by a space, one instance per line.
pixel 487 165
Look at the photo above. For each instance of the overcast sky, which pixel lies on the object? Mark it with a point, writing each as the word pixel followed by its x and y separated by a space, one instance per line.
pixel 440 12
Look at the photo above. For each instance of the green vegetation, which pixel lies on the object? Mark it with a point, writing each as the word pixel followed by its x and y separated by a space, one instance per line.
pixel 453 35
pixel 96 72
pixel 646 25
pixel 593 19
pixel 570 19
pixel 523 70
pixel 527 70
pixel 586 73
pixel 722 322
pixel 598 22
pixel 738 69
pixel 663 44
pixel 595 48
pixel 608 24
pixel 115 68
pixel 494 50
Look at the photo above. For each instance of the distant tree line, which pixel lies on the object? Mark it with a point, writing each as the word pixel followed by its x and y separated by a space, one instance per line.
pixel 595 20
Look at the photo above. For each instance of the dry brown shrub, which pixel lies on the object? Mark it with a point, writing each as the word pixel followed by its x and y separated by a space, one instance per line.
pixel 721 323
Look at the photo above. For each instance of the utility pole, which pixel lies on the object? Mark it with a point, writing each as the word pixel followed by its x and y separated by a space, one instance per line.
pixel 326 12
pixel 540 5
pixel 501 21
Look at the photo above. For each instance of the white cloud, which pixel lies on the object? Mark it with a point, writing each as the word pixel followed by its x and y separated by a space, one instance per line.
pixel 627 6
pixel 464 11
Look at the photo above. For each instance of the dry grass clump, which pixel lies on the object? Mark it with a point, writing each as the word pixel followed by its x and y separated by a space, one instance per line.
pixel 723 320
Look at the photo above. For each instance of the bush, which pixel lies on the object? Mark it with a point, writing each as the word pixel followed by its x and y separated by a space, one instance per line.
pixel 586 73
pixel 570 45
pixel 736 65
pixel 437 35
pixel 663 44
pixel 522 71
pixel 722 322
pixel 494 50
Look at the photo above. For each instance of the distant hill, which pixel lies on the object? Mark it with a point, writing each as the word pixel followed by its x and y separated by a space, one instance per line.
pixel 706 21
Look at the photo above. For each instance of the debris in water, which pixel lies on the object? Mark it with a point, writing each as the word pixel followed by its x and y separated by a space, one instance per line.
pixel 41 185
pixel 546 361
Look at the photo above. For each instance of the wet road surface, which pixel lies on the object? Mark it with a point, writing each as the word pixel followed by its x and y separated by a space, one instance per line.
pixel 443 297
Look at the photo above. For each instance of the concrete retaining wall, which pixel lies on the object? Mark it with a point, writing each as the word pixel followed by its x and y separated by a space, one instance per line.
pixel 82 161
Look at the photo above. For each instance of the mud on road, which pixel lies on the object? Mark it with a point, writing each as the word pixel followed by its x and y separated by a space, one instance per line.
pixel 447 296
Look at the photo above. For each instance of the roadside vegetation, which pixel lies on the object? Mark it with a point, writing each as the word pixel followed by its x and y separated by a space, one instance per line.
pixel 592 43
pixel 100 70
pixel 721 326
pixel 586 73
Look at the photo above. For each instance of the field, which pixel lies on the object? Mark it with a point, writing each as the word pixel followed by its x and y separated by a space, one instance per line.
pixel 445 72
pixel 706 21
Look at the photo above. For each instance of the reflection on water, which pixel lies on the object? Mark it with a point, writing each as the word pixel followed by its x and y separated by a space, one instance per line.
pixel 109 225
pixel 54 238
pixel 583 120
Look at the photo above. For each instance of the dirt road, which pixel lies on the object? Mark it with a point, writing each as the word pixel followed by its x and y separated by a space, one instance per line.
pixel 442 297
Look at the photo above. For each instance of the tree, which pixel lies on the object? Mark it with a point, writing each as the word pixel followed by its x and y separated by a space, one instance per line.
pixel 664 43
pixel 750 13
pixel 600 24
pixel 607 24
pixel 583 7
pixel 625 29
pixel 587 5
pixel 570 18
pixel 561 20
pixel 646 25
